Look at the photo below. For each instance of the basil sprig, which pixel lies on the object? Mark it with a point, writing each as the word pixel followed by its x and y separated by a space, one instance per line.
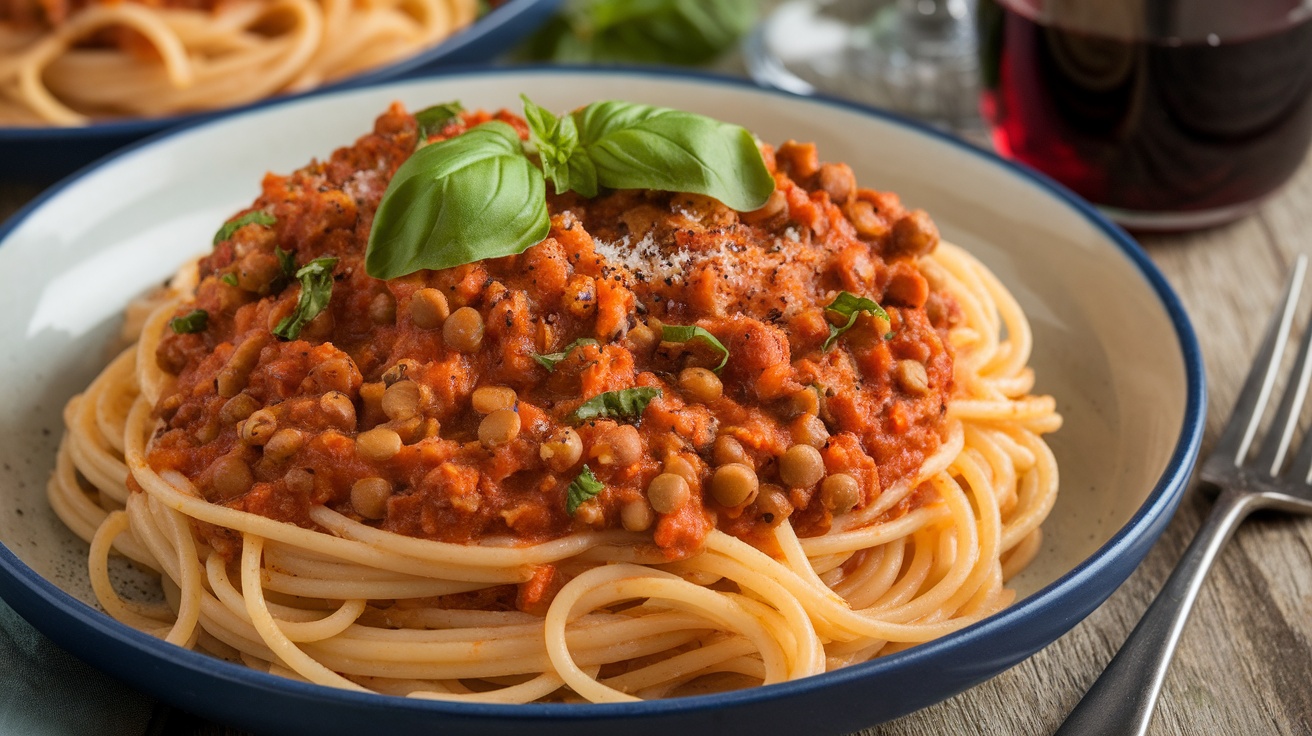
pixel 479 195
pixel 688 333
pixel 257 217
pixel 582 488
pixel 851 306
pixel 627 403
pixel 194 321
pixel 550 360
pixel 623 145
pixel 457 201
pixel 316 279
pixel 431 120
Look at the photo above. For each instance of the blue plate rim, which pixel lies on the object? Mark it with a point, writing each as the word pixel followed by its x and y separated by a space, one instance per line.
pixel 1124 550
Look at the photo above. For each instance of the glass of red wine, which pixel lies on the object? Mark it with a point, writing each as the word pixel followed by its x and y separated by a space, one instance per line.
pixel 1168 114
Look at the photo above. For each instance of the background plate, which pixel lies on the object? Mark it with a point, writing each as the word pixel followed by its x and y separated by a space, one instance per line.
pixel 41 155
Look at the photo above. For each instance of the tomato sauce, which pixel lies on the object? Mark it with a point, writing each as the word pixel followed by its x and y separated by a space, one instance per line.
pixel 613 269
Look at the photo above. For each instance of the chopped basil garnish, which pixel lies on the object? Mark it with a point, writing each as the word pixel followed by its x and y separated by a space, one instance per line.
pixel 628 403
pixel 316 279
pixel 286 261
pixel 194 321
pixel 582 488
pixel 688 333
pixel 478 195
pixel 850 305
pixel 457 201
pixel 550 360
pixel 433 119
pixel 258 217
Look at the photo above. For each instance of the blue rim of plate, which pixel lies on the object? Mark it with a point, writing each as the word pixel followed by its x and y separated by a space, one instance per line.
pixel 1137 534
pixel 507 14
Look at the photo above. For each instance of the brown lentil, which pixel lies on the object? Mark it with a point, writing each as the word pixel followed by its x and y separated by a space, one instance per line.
pixel 463 330
pixel 701 384
pixel 499 427
pixel 258 427
pixel 667 492
pixel 487 399
pixel 840 492
pixel 379 443
pixel 801 466
pixel 734 484
pixel 429 309
pixel 562 451
pixel 369 497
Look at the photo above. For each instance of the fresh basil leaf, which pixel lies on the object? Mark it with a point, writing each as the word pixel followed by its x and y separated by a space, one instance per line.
pixel 688 333
pixel 556 140
pixel 194 321
pixel 851 306
pixel 646 147
pixel 229 278
pixel 431 120
pixel 628 403
pixel 316 279
pixel 257 217
pixel 457 201
pixel 582 488
pixel 550 360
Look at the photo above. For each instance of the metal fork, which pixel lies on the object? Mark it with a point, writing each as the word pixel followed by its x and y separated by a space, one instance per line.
pixel 1122 699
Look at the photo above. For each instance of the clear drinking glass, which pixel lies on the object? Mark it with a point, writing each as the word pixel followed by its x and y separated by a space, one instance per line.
pixel 914 56
pixel 1168 114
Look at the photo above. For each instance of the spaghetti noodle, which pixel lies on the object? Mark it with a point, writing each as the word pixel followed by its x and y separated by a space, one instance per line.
pixel 70 65
pixel 579 606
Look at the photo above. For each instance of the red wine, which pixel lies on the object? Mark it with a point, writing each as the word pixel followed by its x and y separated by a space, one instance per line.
pixel 1201 121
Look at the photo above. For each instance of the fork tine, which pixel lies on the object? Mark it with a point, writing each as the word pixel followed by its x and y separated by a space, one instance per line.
pixel 1245 417
pixel 1276 444
pixel 1301 469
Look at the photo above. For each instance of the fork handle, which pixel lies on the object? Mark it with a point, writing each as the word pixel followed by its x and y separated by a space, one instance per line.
pixel 1121 700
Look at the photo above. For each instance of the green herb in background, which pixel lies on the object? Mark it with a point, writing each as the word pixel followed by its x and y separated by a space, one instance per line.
pixel 688 32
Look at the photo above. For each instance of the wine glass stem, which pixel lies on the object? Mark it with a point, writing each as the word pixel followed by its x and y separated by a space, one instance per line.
pixel 932 10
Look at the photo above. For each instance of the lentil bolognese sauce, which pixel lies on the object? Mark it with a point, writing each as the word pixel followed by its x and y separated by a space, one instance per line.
pixel 670 446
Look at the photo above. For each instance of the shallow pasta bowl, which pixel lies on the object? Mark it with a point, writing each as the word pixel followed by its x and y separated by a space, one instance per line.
pixel 1112 344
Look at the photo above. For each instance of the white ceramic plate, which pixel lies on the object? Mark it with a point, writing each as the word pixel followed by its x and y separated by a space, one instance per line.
pixel 1111 343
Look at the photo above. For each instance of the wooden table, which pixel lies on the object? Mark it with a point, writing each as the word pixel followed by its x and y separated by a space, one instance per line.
pixel 1245 662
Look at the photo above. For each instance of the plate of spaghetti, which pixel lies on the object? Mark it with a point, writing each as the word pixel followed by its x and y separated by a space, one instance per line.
pixel 78 79
pixel 638 401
